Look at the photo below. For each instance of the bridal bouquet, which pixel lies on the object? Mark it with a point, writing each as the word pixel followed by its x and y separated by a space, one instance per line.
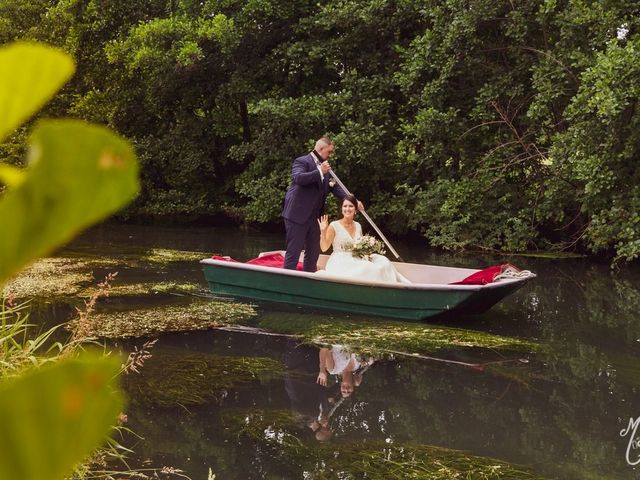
pixel 364 246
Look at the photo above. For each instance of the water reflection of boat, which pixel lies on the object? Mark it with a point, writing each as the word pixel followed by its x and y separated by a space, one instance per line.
pixel 430 293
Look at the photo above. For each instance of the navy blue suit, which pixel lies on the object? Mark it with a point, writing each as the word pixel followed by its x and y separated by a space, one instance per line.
pixel 303 205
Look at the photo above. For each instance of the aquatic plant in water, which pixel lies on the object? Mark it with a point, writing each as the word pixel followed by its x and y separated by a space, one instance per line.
pixel 173 378
pixel 197 315
pixel 375 337
pixel 164 256
pixel 148 288
pixel 171 287
pixel 70 276
pixel 278 433
pixel 49 277
pixel 130 255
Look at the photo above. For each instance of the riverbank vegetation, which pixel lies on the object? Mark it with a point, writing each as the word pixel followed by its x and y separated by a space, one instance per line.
pixel 500 126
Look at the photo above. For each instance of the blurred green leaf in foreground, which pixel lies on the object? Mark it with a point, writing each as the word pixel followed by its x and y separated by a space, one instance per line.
pixel 55 416
pixel 77 174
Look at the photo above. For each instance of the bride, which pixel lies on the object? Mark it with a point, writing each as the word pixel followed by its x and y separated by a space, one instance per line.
pixel 342 262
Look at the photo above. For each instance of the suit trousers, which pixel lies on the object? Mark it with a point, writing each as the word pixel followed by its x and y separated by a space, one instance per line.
pixel 302 236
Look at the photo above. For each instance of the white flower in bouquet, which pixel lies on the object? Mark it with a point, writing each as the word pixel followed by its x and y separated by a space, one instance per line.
pixel 364 246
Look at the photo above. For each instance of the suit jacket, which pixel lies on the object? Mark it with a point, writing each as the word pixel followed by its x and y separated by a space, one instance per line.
pixel 305 197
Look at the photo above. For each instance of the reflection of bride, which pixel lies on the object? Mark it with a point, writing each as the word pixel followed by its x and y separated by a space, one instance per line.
pixel 378 268
pixel 338 360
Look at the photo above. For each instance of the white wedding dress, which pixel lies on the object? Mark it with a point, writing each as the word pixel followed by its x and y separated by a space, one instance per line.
pixel 342 263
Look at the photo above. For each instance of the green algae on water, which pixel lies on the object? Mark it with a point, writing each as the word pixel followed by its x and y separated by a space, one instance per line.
pixel 133 255
pixel 57 277
pixel 138 289
pixel 164 256
pixel 197 315
pixel 178 378
pixel 49 277
pixel 174 287
pixel 374 336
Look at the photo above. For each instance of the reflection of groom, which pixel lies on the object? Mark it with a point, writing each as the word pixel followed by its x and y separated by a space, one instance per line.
pixel 308 399
pixel 304 203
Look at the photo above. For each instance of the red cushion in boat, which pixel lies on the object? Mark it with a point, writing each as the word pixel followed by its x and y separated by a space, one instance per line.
pixel 275 260
pixel 482 277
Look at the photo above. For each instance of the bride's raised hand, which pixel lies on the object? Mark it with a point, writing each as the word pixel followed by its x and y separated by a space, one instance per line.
pixel 324 223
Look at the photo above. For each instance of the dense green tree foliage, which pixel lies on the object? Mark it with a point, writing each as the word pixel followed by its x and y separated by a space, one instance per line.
pixel 496 125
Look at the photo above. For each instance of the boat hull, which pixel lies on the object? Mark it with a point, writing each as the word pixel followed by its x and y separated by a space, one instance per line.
pixel 298 288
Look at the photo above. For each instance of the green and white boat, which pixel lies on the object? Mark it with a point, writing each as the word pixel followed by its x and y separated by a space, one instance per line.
pixel 430 292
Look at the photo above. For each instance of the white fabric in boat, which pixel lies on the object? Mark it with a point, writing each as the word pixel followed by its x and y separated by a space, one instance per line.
pixel 342 263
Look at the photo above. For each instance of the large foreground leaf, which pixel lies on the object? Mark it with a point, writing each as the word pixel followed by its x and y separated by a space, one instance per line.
pixel 52 418
pixel 30 74
pixel 78 175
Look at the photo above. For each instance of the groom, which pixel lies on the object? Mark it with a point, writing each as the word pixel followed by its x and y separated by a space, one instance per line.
pixel 304 203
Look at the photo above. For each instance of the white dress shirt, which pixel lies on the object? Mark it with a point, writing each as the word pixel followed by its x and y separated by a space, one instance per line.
pixel 318 162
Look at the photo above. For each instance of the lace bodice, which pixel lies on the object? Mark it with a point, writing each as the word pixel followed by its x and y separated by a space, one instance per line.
pixel 342 236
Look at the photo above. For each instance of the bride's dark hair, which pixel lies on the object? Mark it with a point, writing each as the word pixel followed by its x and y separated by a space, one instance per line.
pixel 352 198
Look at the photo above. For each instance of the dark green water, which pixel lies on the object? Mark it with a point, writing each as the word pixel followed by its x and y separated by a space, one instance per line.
pixel 558 412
